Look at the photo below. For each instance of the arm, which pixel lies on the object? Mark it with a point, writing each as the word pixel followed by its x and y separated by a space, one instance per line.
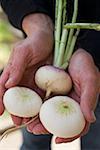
pixel 16 10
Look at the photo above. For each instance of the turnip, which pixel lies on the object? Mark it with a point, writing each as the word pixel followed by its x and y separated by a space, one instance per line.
pixel 62 117
pixel 22 102
pixel 52 79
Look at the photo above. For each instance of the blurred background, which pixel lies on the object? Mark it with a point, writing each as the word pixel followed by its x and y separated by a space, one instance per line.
pixel 8 36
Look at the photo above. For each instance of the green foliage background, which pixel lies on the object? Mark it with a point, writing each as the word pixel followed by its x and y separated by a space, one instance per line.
pixel 8 36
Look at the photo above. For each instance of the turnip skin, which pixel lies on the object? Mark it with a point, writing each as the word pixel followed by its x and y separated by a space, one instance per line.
pixel 22 102
pixel 53 79
pixel 62 117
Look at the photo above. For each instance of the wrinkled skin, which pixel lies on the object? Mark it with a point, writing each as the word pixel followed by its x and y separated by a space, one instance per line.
pixel 25 59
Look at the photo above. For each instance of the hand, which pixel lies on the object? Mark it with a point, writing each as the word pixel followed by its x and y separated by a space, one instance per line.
pixel 86 80
pixel 86 86
pixel 27 56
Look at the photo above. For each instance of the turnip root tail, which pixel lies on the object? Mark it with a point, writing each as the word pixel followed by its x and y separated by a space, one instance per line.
pixel 15 128
pixel 48 92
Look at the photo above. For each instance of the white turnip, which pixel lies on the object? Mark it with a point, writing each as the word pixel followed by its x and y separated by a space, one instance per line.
pixel 62 117
pixel 53 79
pixel 22 102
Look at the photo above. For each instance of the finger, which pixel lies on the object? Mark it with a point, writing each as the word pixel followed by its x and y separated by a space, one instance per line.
pixel 39 129
pixel 63 140
pixel 3 78
pixel 16 69
pixel 32 125
pixel 89 100
pixel 86 129
pixel 17 120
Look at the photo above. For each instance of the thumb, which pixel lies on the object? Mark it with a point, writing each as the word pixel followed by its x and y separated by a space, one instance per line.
pixel 88 101
pixel 17 69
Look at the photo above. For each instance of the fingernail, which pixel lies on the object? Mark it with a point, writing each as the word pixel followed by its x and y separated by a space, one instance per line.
pixel 44 133
pixel 57 141
pixel 8 83
pixel 36 133
pixel 29 130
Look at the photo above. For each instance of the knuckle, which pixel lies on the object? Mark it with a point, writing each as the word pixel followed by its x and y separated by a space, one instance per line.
pixel 21 50
pixel 17 48
pixel 20 46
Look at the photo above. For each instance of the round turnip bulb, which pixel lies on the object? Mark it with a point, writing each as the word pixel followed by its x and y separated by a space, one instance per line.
pixel 62 117
pixel 53 79
pixel 22 102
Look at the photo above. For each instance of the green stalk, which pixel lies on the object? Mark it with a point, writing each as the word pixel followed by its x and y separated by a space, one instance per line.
pixel 56 14
pixel 73 44
pixel 93 26
pixel 64 13
pixel 65 65
pixel 72 30
pixel 58 28
pixel 55 33
pixel 60 57
pixel 63 38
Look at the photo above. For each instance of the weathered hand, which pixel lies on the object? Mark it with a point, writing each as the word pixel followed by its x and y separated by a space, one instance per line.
pixel 86 86
pixel 27 56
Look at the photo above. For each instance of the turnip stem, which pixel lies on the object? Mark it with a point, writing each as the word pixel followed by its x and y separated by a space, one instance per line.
pixel 10 130
pixel 56 14
pixel 93 26
pixel 64 13
pixel 66 63
pixel 72 44
pixel 71 49
pixel 62 48
pixel 63 39
pixel 72 30
pixel 58 28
